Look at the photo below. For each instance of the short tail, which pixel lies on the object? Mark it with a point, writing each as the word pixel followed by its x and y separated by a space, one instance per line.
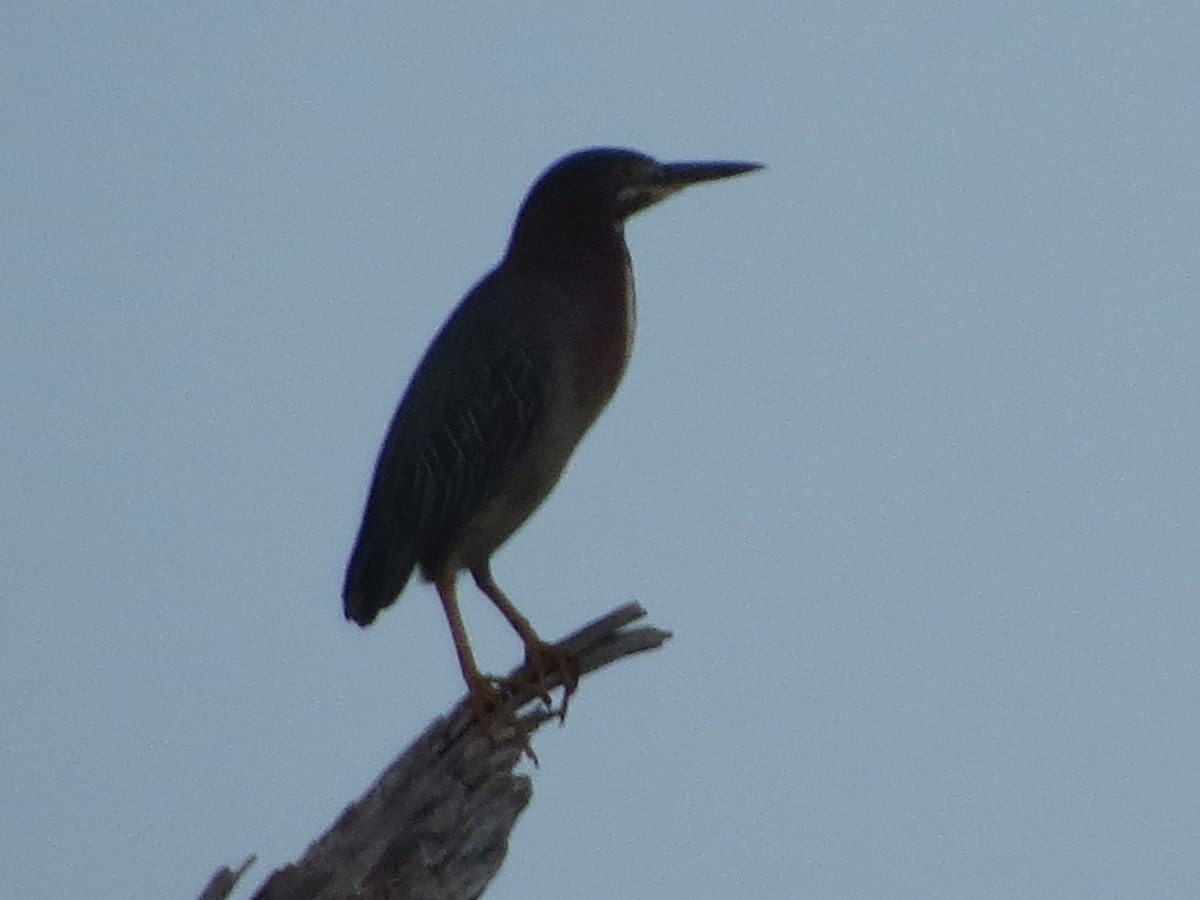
pixel 375 576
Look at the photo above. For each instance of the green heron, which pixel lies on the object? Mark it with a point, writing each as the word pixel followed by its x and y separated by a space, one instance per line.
pixel 507 389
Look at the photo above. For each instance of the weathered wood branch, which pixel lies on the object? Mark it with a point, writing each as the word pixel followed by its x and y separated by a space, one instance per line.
pixel 435 824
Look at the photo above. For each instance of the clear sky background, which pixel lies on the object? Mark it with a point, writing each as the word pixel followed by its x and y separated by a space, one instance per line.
pixel 906 456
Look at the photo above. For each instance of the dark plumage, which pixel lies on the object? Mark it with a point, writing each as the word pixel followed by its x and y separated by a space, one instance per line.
pixel 466 418
pixel 506 390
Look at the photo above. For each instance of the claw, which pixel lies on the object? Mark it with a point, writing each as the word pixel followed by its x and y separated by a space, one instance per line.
pixel 543 662
pixel 488 698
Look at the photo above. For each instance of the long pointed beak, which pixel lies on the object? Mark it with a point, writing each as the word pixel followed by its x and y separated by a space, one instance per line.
pixel 665 179
pixel 681 174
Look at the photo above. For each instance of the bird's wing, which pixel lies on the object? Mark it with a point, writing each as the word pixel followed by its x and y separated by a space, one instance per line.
pixel 490 404
pixel 467 414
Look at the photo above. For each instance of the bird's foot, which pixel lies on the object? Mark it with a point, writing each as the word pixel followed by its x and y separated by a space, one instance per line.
pixel 490 698
pixel 546 667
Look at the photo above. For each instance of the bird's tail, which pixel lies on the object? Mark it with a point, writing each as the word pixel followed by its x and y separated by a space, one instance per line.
pixel 375 576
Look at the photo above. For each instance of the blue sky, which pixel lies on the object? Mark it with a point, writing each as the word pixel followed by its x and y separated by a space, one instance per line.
pixel 906 457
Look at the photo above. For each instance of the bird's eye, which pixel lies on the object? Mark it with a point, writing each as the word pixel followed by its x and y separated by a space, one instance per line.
pixel 626 171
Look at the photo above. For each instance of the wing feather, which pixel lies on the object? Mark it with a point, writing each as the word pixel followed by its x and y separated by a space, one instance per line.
pixel 467 415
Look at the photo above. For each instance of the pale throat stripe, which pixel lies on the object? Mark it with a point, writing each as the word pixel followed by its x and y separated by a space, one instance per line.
pixel 630 308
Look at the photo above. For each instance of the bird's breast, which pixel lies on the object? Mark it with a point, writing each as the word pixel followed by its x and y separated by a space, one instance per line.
pixel 604 326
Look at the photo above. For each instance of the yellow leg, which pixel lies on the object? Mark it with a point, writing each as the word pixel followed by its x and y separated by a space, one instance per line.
pixel 541 659
pixel 487 584
pixel 486 699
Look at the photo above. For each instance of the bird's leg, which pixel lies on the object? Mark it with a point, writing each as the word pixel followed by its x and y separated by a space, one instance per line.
pixel 485 693
pixel 542 660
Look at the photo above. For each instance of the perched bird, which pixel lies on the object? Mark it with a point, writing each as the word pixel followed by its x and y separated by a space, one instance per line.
pixel 504 393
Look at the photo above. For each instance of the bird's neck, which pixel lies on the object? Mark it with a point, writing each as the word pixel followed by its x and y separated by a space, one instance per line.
pixel 566 247
pixel 590 265
pixel 584 256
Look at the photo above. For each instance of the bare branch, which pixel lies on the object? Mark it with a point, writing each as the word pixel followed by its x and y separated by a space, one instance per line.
pixel 435 824
pixel 225 880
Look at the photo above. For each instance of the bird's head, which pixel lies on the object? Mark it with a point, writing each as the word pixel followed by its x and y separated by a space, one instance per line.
pixel 608 185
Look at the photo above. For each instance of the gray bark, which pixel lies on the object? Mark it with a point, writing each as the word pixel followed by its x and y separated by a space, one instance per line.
pixel 435 825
